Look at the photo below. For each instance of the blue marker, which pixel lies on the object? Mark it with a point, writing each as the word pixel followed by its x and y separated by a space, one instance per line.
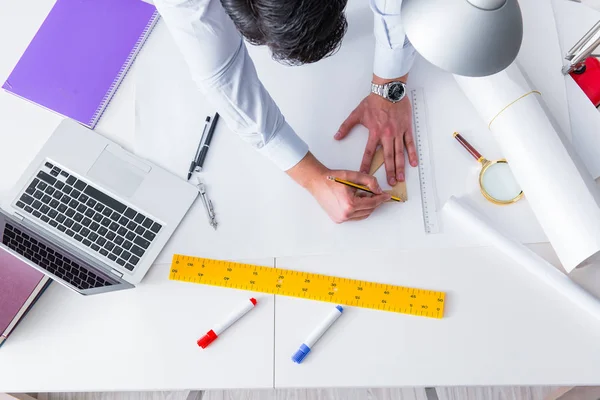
pixel 316 335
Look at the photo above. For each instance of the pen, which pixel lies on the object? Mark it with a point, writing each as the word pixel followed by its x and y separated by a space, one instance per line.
pixel 316 334
pixel 194 162
pixel 357 186
pixel 214 333
pixel 206 145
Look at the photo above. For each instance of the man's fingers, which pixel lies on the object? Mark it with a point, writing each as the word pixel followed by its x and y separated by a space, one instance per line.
pixel 360 214
pixel 365 165
pixel 399 158
pixel 370 203
pixel 361 179
pixel 350 122
pixel 364 206
pixel 359 218
pixel 388 159
pixel 411 149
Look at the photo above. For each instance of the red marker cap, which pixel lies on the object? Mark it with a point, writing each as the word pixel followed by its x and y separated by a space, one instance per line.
pixel 207 339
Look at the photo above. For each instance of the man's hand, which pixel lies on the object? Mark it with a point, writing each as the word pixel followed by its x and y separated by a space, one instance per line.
pixel 390 125
pixel 341 202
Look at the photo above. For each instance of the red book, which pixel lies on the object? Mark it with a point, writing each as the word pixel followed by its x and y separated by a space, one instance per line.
pixel 20 287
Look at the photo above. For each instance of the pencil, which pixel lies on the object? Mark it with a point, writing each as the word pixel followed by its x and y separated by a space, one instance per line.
pixel 357 186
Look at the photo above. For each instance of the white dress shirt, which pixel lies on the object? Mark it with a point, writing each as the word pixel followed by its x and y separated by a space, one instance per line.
pixel 221 67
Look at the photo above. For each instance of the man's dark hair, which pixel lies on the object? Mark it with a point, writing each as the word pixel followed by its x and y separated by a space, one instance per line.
pixel 297 31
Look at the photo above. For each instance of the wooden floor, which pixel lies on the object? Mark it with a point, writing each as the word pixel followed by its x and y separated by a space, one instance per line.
pixel 456 393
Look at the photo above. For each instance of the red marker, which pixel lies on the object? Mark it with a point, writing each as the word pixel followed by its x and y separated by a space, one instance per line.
pixel 214 333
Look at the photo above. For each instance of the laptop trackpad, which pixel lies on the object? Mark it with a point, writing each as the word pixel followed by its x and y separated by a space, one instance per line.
pixel 116 174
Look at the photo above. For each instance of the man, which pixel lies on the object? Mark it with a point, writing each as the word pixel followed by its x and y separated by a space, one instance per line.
pixel 209 34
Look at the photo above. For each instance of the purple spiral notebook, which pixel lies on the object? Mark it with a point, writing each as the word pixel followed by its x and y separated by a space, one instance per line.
pixel 80 55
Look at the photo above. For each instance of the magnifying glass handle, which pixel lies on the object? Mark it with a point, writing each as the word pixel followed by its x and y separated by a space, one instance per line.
pixel 468 146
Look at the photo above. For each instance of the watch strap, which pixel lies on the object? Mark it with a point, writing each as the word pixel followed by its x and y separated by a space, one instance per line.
pixel 377 89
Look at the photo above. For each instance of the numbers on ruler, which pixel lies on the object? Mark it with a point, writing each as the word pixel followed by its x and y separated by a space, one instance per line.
pixel 280 279
pixel 333 289
pixel 307 282
pixel 174 271
pixel 252 281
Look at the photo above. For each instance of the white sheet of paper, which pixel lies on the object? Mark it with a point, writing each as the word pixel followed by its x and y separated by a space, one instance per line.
pixel 479 225
pixel 562 194
pixel 260 210
pixel 573 20
pixel 595 4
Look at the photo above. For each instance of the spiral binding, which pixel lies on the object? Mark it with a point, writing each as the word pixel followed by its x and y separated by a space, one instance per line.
pixel 124 69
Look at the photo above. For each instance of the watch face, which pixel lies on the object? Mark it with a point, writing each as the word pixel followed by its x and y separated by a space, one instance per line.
pixel 395 91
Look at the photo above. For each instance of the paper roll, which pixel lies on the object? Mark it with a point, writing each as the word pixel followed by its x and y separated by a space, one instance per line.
pixel 564 198
pixel 480 225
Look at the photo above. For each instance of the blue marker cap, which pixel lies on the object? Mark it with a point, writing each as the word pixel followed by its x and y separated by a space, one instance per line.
pixel 340 308
pixel 301 354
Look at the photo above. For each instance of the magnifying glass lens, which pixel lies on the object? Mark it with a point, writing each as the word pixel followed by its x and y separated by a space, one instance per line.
pixel 499 182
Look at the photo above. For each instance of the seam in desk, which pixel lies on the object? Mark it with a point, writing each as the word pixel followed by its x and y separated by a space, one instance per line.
pixel 274 322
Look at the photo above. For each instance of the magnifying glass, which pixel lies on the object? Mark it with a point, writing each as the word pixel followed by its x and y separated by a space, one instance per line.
pixel 496 181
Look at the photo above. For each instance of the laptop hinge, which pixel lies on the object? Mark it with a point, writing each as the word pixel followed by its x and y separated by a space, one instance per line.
pixel 117 273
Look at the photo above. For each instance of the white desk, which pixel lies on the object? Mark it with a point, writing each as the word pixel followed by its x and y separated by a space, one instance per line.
pixel 142 339
pixel 501 328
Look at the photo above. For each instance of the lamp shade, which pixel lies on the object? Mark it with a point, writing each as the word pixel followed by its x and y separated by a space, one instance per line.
pixel 465 37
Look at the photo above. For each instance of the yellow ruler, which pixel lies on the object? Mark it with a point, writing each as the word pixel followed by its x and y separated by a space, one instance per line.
pixel 351 292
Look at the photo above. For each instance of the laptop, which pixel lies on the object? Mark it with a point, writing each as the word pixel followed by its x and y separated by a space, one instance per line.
pixel 91 215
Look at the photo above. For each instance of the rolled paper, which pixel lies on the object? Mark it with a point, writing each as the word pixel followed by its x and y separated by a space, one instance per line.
pixel 564 198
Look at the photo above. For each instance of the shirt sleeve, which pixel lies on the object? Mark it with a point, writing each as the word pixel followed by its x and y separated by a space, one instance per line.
pixel 394 54
pixel 221 67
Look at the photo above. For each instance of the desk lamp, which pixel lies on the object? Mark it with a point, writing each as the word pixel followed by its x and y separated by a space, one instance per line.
pixel 465 37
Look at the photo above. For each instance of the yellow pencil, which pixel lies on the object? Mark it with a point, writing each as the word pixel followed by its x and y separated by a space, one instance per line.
pixel 357 186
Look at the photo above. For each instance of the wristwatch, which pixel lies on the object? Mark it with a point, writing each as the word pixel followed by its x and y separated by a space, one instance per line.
pixel 392 91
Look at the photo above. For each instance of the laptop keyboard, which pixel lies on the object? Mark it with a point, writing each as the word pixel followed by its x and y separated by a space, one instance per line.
pixel 109 228
pixel 51 260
